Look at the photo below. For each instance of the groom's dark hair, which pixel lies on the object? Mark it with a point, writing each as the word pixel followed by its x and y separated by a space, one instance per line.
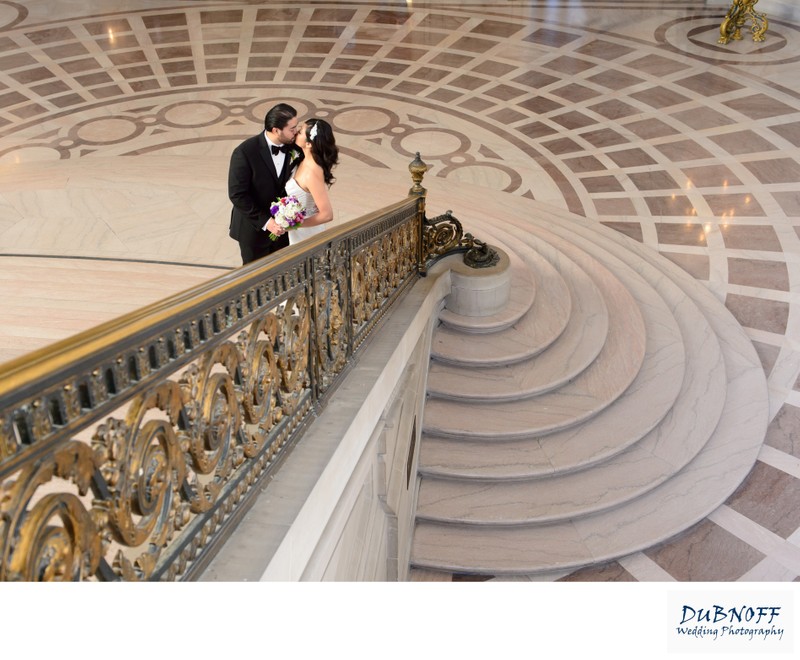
pixel 279 116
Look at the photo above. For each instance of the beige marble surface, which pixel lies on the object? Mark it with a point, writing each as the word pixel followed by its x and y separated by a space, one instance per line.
pixel 117 120
pixel 669 479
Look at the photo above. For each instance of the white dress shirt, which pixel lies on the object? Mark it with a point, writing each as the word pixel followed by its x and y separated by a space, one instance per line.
pixel 276 158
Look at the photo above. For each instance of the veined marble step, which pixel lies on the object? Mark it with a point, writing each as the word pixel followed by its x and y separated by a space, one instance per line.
pixel 669 508
pixel 671 323
pixel 641 466
pixel 521 298
pixel 569 496
pixel 658 456
pixel 537 329
pixel 673 506
pixel 572 352
pixel 590 392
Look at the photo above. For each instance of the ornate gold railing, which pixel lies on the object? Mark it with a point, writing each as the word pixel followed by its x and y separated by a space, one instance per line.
pixel 130 451
pixel 739 13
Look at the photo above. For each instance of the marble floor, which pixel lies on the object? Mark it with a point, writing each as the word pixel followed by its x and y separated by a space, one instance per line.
pixel 117 119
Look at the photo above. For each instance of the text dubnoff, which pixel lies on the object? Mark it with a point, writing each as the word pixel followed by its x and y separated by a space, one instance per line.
pixel 757 624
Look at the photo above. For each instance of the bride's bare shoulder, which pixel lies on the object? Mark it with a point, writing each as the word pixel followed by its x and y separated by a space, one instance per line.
pixel 309 165
pixel 313 165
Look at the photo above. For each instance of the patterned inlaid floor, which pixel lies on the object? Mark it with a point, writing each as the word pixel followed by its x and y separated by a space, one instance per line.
pixel 117 120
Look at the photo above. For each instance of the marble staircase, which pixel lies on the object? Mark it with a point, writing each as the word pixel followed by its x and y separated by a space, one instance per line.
pixel 612 404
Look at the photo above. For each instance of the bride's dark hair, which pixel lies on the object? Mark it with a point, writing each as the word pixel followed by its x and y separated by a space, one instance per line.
pixel 323 146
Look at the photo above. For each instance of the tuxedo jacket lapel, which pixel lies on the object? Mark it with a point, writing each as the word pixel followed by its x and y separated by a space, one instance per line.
pixel 287 168
pixel 293 158
pixel 266 156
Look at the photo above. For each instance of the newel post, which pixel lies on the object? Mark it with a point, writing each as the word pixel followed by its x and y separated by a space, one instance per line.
pixel 418 168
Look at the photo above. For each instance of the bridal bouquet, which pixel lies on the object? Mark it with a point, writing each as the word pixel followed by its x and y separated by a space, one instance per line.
pixel 287 213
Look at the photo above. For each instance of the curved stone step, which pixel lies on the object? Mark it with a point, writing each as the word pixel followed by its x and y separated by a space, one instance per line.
pixel 643 465
pixel 574 349
pixel 641 407
pixel 637 411
pixel 596 387
pixel 520 297
pixel 534 331
pixel 674 505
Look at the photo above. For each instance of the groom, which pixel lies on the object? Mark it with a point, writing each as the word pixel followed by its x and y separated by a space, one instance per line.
pixel 260 167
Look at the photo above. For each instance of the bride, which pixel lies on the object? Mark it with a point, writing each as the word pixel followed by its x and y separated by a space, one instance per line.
pixel 313 177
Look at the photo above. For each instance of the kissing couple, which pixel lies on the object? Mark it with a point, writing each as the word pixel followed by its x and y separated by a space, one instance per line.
pixel 288 158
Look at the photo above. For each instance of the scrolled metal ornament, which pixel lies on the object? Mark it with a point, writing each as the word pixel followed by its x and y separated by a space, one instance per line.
pixel 738 14
pixel 53 537
pixel 445 235
pixel 389 278
pixel 212 406
pixel 330 296
pixel 365 284
pixel 259 376
pixel 441 234
pixel 293 352
pixel 8 439
pixel 479 254
pixel 148 468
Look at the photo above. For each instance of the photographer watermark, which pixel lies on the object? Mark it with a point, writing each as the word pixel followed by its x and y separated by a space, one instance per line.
pixel 723 620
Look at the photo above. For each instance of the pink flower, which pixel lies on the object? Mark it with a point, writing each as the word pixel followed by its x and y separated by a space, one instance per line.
pixel 287 213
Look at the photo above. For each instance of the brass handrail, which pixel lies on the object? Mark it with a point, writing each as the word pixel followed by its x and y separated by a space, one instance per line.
pixel 47 361
pixel 129 451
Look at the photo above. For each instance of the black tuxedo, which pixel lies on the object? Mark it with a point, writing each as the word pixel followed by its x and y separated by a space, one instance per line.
pixel 253 184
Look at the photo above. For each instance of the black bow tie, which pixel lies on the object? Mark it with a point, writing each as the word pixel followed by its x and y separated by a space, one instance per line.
pixel 284 148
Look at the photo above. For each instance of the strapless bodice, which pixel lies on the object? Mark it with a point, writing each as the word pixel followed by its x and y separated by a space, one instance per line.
pixel 307 201
pixel 303 196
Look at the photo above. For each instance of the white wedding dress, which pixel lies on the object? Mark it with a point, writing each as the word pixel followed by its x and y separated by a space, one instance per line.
pixel 307 202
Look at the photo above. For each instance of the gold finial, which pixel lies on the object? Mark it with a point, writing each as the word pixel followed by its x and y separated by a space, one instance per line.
pixel 417 169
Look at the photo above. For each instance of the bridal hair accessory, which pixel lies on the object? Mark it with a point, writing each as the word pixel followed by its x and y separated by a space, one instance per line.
pixel 312 133
pixel 287 213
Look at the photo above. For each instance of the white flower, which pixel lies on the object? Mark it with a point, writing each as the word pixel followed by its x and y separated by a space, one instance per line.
pixel 287 213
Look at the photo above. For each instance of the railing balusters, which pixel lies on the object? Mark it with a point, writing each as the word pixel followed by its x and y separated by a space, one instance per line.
pixel 130 451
